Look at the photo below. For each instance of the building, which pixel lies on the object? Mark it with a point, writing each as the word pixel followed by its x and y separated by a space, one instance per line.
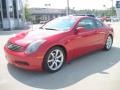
pixel 118 8
pixel 11 14
pixel 40 15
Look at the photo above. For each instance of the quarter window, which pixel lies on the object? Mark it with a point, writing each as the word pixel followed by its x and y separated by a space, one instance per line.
pixel 99 24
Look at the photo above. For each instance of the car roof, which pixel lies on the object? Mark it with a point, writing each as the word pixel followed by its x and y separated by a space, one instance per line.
pixel 77 16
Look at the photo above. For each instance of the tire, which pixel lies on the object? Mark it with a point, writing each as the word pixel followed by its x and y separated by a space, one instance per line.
pixel 109 42
pixel 54 59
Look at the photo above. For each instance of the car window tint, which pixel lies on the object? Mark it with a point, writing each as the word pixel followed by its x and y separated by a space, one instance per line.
pixel 88 23
pixel 99 24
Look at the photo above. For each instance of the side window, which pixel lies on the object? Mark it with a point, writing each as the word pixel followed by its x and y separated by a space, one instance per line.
pixel 88 23
pixel 99 24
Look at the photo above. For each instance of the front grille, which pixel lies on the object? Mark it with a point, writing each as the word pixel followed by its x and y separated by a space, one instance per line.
pixel 14 47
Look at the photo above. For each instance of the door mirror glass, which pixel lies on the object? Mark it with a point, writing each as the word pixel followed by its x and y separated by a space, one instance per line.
pixel 80 28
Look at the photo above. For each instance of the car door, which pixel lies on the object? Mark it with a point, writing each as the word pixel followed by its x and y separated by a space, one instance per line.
pixel 86 38
pixel 101 32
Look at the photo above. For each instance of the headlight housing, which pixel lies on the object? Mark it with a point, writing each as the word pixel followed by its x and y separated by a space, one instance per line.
pixel 13 35
pixel 33 47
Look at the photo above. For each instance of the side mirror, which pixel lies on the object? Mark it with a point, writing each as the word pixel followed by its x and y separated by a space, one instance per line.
pixel 79 29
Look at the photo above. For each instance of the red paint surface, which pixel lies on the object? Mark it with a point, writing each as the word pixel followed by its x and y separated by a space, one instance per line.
pixel 76 43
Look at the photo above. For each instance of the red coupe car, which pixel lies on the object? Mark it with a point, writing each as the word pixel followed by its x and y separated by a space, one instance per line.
pixel 57 42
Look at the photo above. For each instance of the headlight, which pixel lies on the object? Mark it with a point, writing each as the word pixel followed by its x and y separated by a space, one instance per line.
pixel 33 47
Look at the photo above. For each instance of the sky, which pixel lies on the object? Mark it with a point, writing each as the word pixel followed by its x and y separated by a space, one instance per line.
pixel 76 4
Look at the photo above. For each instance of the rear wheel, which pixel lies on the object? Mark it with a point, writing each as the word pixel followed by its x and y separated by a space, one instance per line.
pixel 54 59
pixel 108 43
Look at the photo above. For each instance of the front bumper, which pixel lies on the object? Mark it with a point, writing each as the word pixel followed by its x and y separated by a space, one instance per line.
pixel 21 60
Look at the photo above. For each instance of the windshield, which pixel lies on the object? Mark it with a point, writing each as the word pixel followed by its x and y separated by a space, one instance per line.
pixel 61 23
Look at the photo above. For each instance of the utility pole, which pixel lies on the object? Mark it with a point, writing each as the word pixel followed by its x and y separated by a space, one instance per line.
pixel 68 9
pixel 112 8
pixel 104 12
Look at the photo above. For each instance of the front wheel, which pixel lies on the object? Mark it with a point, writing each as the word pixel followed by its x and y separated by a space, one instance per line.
pixel 54 59
pixel 108 43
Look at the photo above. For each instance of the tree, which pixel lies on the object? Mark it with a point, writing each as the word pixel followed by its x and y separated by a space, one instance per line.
pixel 27 13
pixel 113 11
pixel 110 12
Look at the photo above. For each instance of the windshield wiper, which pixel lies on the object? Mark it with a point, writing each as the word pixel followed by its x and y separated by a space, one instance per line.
pixel 50 29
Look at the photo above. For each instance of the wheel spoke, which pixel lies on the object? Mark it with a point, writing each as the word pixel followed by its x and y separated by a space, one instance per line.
pixel 56 53
pixel 52 64
pixel 58 61
pixel 52 54
pixel 50 60
pixel 56 65
pixel 59 56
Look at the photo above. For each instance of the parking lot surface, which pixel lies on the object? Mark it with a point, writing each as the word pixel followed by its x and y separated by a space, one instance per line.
pixel 96 71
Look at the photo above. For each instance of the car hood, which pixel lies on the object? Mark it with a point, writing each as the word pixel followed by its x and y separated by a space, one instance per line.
pixel 27 37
